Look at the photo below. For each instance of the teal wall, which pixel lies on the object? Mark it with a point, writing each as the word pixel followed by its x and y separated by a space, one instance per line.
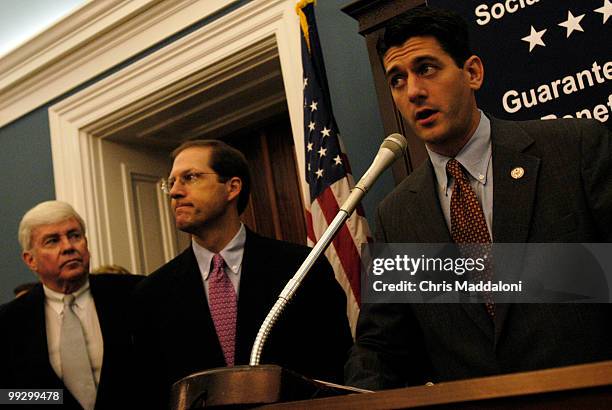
pixel 353 95
pixel 25 156
pixel 26 179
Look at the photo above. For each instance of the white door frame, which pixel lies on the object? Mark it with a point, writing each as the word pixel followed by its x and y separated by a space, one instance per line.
pixel 78 121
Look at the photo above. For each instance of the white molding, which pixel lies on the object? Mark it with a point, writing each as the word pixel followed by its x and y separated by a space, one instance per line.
pixel 96 37
pixel 132 226
pixel 77 121
pixel 131 178
pixel 270 103
pixel 169 238
pixel 290 55
pixel 177 90
pixel 103 218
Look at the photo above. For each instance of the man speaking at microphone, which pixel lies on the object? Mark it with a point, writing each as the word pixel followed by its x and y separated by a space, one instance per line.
pixel 203 309
pixel 486 180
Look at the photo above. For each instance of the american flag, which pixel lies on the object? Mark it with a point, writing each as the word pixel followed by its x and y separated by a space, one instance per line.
pixel 328 173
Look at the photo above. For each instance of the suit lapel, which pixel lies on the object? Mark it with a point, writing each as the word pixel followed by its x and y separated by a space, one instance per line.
pixel 252 297
pixel 513 198
pixel 37 351
pixel 38 347
pixel 429 222
pixel 108 311
pixel 38 343
pixel 105 319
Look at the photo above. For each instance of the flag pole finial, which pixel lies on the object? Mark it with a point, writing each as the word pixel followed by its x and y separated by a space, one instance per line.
pixel 303 21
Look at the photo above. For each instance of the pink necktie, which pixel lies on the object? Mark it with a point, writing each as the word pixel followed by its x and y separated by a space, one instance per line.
pixel 223 308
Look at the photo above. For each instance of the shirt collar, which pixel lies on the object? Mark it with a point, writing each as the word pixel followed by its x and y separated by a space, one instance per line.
pixel 232 254
pixel 55 300
pixel 475 156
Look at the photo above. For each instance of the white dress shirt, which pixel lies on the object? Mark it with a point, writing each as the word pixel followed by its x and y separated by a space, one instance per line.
pixel 232 255
pixel 85 309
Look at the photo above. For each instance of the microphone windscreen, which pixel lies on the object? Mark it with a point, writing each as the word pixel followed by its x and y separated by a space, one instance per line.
pixel 396 143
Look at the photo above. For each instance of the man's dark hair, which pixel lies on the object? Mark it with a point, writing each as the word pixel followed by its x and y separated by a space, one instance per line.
pixel 227 162
pixel 446 26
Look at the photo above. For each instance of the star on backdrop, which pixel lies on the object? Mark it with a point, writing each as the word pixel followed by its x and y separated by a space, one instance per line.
pixel 605 10
pixel 572 23
pixel 535 38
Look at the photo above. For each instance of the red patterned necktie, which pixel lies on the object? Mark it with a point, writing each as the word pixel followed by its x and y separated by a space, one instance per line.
pixel 223 308
pixel 469 227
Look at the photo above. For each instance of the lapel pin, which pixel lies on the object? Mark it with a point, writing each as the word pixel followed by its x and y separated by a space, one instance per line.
pixel 517 173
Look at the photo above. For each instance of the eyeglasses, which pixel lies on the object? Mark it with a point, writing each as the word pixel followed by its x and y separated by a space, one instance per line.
pixel 190 178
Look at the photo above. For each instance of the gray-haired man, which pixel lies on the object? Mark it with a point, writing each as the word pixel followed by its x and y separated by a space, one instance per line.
pixel 70 331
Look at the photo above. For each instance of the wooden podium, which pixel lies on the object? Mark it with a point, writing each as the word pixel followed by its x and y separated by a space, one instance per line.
pixel 587 386
pixel 245 387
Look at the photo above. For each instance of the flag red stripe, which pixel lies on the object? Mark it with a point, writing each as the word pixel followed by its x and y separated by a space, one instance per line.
pixel 310 233
pixel 343 242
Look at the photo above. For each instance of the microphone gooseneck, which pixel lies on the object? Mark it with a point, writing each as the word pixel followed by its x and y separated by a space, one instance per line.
pixel 391 149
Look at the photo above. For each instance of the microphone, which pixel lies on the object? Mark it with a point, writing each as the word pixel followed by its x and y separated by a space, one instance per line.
pixel 392 148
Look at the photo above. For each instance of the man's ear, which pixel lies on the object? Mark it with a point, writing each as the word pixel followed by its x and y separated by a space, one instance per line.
pixel 474 70
pixel 30 260
pixel 234 187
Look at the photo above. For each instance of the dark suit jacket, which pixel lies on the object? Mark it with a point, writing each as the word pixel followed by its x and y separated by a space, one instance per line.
pixel 23 344
pixel 176 337
pixel 565 195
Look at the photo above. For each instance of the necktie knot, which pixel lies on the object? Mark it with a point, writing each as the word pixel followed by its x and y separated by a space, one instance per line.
pixel 454 169
pixel 68 301
pixel 218 267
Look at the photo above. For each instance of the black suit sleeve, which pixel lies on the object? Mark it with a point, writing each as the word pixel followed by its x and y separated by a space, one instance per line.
pixel 5 329
pixel 389 351
pixel 316 325
pixel 151 383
